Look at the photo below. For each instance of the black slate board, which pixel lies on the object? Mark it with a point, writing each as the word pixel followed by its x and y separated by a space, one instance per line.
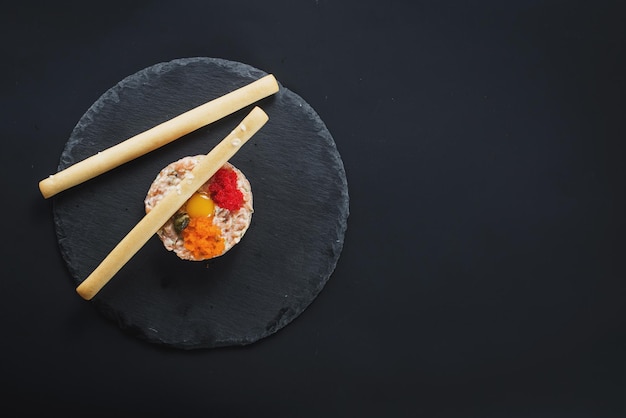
pixel 289 252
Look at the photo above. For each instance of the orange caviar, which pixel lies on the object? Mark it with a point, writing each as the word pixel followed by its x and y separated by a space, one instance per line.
pixel 203 239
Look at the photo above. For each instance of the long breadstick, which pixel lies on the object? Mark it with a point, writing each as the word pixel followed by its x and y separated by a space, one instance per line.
pixel 170 203
pixel 158 136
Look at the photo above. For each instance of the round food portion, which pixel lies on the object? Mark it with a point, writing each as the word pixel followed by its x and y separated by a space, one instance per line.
pixel 214 218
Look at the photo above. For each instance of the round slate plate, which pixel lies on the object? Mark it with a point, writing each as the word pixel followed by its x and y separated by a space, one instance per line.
pixel 289 252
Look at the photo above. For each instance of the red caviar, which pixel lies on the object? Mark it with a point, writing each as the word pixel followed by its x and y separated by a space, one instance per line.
pixel 224 191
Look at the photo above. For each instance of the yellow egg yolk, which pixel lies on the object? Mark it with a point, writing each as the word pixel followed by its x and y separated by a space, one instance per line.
pixel 200 205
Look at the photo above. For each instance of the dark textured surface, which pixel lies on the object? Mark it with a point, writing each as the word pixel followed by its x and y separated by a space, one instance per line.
pixel 482 273
pixel 300 197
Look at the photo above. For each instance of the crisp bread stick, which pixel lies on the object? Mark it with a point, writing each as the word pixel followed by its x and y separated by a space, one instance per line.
pixel 158 136
pixel 170 203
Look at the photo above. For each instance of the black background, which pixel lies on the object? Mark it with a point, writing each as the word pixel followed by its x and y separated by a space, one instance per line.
pixel 482 273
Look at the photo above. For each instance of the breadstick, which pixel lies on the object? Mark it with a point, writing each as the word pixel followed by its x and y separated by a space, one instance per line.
pixel 158 136
pixel 170 203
